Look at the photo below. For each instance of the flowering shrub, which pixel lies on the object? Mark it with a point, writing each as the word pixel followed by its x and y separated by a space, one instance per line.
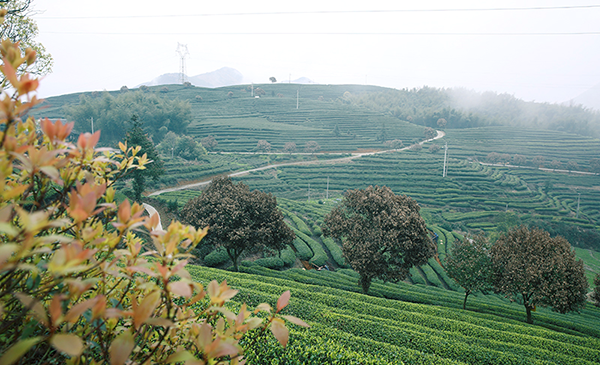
pixel 77 284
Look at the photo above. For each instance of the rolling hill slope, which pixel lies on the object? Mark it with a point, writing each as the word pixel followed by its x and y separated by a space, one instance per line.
pixel 408 324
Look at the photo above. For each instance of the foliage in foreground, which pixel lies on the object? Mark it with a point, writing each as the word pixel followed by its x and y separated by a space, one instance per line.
pixel 77 284
pixel 383 234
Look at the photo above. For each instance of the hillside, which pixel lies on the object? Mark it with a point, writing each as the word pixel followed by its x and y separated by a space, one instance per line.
pixel 474 196
pixel 240 120
pixel 407 324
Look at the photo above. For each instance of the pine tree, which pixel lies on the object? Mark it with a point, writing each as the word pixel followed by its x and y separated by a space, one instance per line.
pixel 137 137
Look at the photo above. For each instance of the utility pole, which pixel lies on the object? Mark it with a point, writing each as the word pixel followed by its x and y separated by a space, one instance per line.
pixel 445 158
pixel 252 87
pixel 578 196
pixel 297 98
pixel 327 194
pixel 92 125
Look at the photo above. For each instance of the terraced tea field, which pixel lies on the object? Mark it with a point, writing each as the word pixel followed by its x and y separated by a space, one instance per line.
pixel 472 196
pixel 407 324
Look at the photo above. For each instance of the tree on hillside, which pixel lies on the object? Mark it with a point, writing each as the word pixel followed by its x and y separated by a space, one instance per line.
pixel 382 136
pixel 19 26
pixel 263 146
pixel 493 157
pixel 441 123
pixel 519 160
pixel 434 148
pixel 596 293
pixel 416 147
pixel 210 143
pixel 137 137
pixel 188 149
pixel 572 165
pixel 538 270
pixel 311 147
pixel 111 115
pixel 240 220
pixel 273 79
pixel 429 133
pixel 168 144
pixel 555 164
pixel 382 234
pixel 394 144
pixel 538 161
pixel 289 147
pixel 336 131
pixel 469 264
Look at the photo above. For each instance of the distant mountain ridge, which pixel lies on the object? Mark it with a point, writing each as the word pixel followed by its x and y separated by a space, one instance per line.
pixel 225 76
pixel 589 98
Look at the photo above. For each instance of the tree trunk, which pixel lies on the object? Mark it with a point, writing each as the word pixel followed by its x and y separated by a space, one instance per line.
pixel 529 317
pixel 365 283
pixel 465 301
pixel 528 307
pixel 233 255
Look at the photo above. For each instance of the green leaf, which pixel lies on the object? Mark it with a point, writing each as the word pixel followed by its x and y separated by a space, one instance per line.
pixel 68 343
pixel 19 349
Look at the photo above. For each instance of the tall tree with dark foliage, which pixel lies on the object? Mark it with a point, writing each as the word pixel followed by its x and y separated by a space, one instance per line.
pixel 538 270
pixel 382 234
pixel 239 220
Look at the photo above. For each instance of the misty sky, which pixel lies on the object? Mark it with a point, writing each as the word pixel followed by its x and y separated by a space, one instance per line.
pixel 549 55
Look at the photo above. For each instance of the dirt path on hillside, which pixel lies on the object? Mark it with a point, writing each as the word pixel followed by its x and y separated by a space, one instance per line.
pixel 353 156
pixel 538 168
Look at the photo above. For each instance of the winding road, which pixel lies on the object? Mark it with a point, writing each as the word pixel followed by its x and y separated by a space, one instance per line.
pixel 439 135
pixel 151 210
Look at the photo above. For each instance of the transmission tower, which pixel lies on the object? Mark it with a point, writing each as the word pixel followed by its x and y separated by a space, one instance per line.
pixel 182 51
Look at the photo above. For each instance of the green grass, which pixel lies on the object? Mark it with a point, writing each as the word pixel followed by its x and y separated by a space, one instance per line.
pixel 412 324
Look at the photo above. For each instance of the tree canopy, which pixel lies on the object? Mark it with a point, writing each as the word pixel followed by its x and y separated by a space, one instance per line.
pixel 382 234
pixel 18 26
pixel 111 114
pixel 539 270
pixel 469 263
pixel 239 220
pixel 137 137
pixel 596 293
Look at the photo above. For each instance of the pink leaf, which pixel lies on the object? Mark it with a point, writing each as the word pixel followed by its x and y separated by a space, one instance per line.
pixel 280 331
pixel 121 348
pixel 283 300
pixel 296 321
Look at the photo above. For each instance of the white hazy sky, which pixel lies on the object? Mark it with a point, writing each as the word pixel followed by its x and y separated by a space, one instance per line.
pixel 549 55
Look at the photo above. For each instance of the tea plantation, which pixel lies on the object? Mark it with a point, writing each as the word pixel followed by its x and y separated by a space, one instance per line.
pixel 407 324
pixel 542 177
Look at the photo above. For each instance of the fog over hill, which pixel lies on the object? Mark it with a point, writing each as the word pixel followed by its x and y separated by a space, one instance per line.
pixel 225 76
pixel 589 98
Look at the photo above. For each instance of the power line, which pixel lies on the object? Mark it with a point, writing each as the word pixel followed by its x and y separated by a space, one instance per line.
pixel 503 34
pixel 444 10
